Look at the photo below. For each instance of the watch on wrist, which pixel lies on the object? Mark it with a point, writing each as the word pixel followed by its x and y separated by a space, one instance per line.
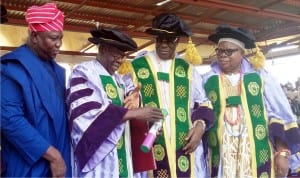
pixel 285 153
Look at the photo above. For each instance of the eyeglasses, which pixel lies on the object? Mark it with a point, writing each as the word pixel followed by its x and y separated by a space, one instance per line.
pixel 227 52
pixel 168 40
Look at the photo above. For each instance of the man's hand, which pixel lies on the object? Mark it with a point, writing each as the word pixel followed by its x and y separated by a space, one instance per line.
pixel 144 114
pixel 57 163
pixel 133 100
pixel 193 138
pixel 281 164
pixel 281 158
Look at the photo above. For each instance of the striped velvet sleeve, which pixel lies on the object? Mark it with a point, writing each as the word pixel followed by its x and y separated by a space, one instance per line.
pixel 92 118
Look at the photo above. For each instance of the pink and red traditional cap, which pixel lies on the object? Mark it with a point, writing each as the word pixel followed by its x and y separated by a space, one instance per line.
pixel 44 18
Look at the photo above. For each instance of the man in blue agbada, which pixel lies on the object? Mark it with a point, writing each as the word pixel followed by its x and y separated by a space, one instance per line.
pixel 34 135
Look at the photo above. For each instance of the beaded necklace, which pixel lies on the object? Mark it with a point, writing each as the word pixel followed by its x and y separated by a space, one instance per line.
pixel 239 113
pixel 232 133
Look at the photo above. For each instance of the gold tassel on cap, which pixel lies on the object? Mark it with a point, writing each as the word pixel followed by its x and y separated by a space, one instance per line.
pixel 125 67
pixel 258 59
pixel 191 53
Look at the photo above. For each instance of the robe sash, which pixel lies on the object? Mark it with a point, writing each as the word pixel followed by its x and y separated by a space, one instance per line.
pixel 168 151
pixel 111 89
pixel 252 101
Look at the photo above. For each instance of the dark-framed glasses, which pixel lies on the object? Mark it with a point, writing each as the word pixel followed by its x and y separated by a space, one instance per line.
pixel 168 40
pixel 227 52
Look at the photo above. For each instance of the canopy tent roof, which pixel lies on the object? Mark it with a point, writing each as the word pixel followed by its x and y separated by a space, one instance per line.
pixel 275 23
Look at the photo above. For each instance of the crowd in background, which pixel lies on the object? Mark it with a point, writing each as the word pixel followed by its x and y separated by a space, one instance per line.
pixel 293 94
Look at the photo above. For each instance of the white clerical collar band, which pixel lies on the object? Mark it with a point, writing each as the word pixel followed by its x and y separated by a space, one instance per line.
pixel 234 41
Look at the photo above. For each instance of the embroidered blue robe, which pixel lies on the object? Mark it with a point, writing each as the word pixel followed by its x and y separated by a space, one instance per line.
pixel 33 114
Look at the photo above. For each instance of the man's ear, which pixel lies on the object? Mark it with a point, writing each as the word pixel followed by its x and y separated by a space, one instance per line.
pixel 33 36
pixel 243 51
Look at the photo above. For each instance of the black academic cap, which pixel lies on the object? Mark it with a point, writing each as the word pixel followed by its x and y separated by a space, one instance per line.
pixel 113 37
pixel 241 34
pixel 167 24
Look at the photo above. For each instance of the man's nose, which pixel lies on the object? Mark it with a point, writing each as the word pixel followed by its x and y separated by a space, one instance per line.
pixel 58 43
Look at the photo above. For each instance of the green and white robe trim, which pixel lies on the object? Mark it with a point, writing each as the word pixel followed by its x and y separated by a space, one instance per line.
pixel 256 120
pixel 111 90
pixel 168 151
